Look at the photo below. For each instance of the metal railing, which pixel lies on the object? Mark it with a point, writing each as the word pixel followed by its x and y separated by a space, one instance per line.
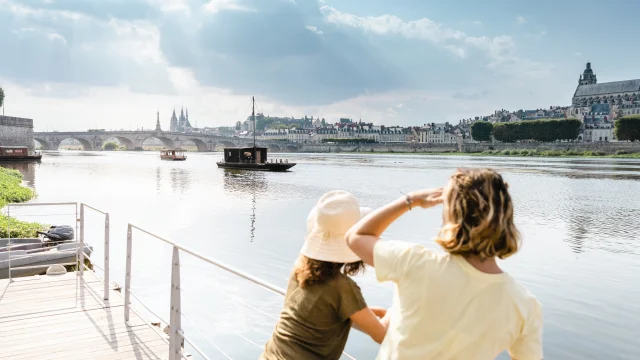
pixel 79 226
pixel 81 259
pixel 9 238
pixel 176 333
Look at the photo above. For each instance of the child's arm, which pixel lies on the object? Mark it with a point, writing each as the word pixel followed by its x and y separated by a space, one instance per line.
pixel 366 321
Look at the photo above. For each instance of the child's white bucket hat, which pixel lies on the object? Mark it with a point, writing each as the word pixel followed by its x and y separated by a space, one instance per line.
pixel 334 214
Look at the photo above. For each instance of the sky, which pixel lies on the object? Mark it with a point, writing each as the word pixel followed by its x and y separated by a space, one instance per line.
pixel 113 64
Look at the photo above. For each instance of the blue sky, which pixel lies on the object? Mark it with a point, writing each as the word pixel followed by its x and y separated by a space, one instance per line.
pixel 75 64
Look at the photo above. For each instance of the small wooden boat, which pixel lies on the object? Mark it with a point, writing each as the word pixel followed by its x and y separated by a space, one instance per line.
pixel 172 154
pixel 18 153
pixel 29 257
pixel 253 157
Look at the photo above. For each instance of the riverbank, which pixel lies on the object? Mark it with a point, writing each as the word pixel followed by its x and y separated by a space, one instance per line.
pixel 12 191
pixel 524 153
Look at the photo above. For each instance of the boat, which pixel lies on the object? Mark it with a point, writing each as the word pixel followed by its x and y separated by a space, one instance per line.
pixel 18 153
pixel 172 154
pixel 252 157
pixel 33 256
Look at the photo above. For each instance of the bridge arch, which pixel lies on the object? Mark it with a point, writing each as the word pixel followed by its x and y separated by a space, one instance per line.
pixel 201 145
pixel 46 145
pixel 124 141
pixel 291 148
pixel 274 147
pixel 166 142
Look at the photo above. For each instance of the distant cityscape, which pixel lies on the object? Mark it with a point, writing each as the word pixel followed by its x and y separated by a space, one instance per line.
pixel 596 105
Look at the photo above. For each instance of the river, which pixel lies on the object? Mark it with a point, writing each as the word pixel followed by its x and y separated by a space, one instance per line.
pixel 580 220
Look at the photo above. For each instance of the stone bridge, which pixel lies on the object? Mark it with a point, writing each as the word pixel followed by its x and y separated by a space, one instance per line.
pixel 133 140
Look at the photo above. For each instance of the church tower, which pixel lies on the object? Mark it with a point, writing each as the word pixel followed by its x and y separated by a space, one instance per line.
pixel 158 123
pixel 173 124
pixel 588 77
pixel 181 121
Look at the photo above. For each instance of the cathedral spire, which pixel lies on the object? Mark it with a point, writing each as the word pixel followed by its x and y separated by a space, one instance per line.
pixel 588 77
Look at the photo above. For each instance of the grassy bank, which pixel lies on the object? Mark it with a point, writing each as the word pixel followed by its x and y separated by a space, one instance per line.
pixel 12 191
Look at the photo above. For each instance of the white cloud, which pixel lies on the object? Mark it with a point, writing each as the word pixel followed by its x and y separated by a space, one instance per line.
pixel 57 37
pixel 172 5
pixel 424 29
pixel 214 6
pixel 477 22
pixel 314 29
pixel 521 20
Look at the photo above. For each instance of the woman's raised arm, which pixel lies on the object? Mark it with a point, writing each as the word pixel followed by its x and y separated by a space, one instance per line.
pixel 362 236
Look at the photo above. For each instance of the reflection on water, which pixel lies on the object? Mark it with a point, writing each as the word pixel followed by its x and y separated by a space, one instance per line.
pixel 578 217
pixel 27 169
pixel 242 182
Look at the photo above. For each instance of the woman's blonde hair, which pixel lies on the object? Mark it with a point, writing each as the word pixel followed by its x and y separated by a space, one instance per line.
pixel 478 216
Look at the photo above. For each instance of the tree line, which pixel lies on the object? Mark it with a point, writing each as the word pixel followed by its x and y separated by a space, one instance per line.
pixel 545 130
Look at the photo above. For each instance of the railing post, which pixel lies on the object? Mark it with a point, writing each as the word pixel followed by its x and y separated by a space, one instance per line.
pixel 175 317
pixel 127 278
pixel 81 247
pixel 106 256
pixel 9 237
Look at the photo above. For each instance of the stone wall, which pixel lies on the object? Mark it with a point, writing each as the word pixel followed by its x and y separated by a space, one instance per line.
pixel 606 147
pixel 16 132
pixel 379 148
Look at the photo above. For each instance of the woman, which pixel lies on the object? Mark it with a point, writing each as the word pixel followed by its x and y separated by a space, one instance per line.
pixel 322 301
pixel 460 304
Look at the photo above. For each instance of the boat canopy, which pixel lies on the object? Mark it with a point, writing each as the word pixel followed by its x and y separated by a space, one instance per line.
pixel 245 154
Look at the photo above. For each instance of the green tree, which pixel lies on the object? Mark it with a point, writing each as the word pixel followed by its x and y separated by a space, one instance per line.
pixel 323 122
pixel 628 128
pixel 1 97
pixel 540 130
pixel 110 146
pixel 481 131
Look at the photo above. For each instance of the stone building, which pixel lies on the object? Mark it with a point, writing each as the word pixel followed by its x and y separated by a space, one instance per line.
pixel 16 131
pixel 442 133
pixel 622 96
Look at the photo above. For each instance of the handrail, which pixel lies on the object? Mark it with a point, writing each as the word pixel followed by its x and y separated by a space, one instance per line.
pixel 79 219
pixel 264 284
pixel 176 334
pixel 106 247
pixel 15 205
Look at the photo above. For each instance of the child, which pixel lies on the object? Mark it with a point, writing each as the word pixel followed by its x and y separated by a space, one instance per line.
pixel 322 301
pixel 457 305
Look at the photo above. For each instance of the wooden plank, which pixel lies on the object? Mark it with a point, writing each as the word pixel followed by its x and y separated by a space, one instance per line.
pixel 152 352
pixel 89 348
pixel 64 338
pixel 28 308
pixel 98 316
pixel 64 317
pixel 47 329
pixel 46 286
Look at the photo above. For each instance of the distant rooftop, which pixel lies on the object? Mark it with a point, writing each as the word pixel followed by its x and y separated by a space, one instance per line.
pixel 608 88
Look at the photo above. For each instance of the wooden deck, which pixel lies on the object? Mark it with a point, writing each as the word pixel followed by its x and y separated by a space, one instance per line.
pixel 65 317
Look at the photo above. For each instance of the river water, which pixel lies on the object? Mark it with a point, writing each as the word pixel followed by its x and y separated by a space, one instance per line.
pixel 580 220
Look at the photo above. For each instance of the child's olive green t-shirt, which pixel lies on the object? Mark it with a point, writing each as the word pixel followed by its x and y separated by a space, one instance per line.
pixel 314 323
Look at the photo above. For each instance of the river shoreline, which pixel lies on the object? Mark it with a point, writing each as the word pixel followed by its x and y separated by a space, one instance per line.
pixel 513 153
pixel 13 191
